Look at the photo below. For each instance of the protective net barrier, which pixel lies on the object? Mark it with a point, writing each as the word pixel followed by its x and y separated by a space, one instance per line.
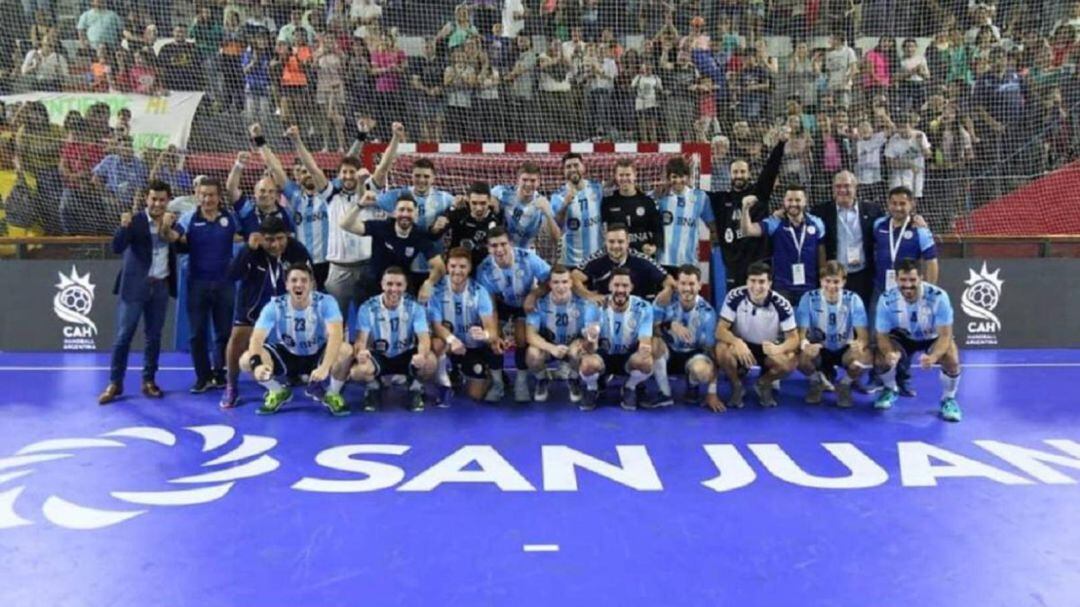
pixel 968 103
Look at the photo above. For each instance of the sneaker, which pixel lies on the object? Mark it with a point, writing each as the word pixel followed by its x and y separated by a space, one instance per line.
pixel 588 400
pixel 496 391
pixel 950 410
pixel 336 403
pixel 574 386
pixel 843 395
pixel 662 400
pixel 737 393
pixel 542 385
pixel 692 396
pixel 416 400
pixel 813 395
pixel 629 399
pixel 906 390
pixel 200 386
pixel 871 387
pixel 218 381
pixel 443 394
pixel 229 398
pixel 521 388
pixel 886 399
pixel 372 396
pixel 273 401
pixel 765 394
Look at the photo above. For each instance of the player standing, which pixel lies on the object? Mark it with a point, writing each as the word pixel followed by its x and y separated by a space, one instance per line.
pixel 633 208
pixel 798 242
pixel 681 209
pixel 577 209
pixel 525 208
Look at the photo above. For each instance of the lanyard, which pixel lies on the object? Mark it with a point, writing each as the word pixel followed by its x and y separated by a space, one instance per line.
pixel 895 242
pixel 274 272
pixel 798 240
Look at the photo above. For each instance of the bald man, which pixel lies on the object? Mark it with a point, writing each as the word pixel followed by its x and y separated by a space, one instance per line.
pixel 251 211
pixel 849 234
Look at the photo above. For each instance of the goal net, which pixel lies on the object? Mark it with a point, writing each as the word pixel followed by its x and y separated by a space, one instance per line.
pixel 967 103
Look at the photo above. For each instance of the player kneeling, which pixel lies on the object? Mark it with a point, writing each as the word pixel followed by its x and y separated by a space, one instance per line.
pixel 392 339
pixel 687 336
pixel 916 316
pixel 462 317
pixel 305 333
pixel 624 346
pixel 757 326
pixel 554 330
pixel 832 331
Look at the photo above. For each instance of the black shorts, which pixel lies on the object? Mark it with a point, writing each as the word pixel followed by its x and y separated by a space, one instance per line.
pixel 394 365
pixel 909 346
pixel 759 357
pixel 677 361
pixel 615 364
pixel 827 360
pixel 293 365
pixel 322 270
pixel 507 312
pixel 474 363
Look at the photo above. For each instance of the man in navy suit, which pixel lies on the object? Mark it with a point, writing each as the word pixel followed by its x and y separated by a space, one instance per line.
pixel 849 234
pixel 146 281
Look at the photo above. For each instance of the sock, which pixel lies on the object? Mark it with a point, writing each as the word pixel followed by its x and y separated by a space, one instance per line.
pixel 541 374
pixel 442 377
pixel 373 385
pixel 888 378
pixel 416 386
pixel 711 388
pixel 817 378
pixel 636 377
pixel 335 385
pixel 847 381
pixel 949 384
pixel 591 381
pixel 659 369
pixel 519 358
pixel 271 384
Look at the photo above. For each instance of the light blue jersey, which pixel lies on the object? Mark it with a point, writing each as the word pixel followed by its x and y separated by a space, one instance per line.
pixel 562 323
pixel 620 332
pixel 700 319
pixel 460 311
pixel 302 332
pixel 919 319
pixel 310 216
pixel 391 331
pixel 680 214
pixel 830 324
pixel 581 231
pixel 523 220
pixel 514 283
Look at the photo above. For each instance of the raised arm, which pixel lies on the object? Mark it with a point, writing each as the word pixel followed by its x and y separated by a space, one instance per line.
pixel 232 183
pixel 270 159
pixel 381 171
pixel 749 229
pixel 317 175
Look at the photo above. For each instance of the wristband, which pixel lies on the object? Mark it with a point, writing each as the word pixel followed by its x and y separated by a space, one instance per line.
pixel 258 141
pixel 361 136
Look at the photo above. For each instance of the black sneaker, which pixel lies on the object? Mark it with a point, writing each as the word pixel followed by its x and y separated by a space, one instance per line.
pixel 200 386
pixel 906 390
pixel 218 382
pixel 371 400
pixel 661 400
pixel 629 399
pixel 588 400
pixel 416 400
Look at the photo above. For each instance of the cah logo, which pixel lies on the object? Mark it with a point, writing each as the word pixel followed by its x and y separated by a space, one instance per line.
pixel 979 300
pixel 247 460
pixel 72 304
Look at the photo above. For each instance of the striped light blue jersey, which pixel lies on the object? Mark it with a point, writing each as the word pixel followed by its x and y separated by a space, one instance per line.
pixel 512 284
pixel 620 332
pixel 562 323
pixel 830 324
pixel 700 319
pixel 311 218
pixel 391 331
pixel 460 311
pixel 302 332
pixel 581 231
pixel 681 214
pixel 919 319
pixel 523 220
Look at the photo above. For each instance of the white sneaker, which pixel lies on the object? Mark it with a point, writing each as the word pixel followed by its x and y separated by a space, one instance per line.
pixel 521 387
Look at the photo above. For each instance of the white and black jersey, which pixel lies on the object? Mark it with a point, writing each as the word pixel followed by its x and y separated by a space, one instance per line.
pixel 471 233
pixel 646 275
pixel 639 214
pixel 758 323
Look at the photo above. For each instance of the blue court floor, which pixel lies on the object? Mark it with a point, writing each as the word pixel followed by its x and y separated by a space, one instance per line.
pixel 173 502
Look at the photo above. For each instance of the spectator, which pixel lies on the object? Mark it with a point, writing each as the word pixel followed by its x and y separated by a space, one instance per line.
pixel 600 70
pixel 879 66
pixel 721 164
pixel 37 152
pixel 947 173
pixel 255 63
pixel 258 22
pixel 488 110
pixel 295 63
pixel 961 59
pixel 122 174
pixel 998 106
pixel 167 166
pixel 647 87
pixel 178 61
pixel 912 77
pixel 755 86
pixel 80 208
pixel 841 67
pixel 459 80
pixel 134 32
pixel 679 78
pixel 522 102
pixel 99 25
pixel 287 31
pixel 555 73
pixel 142 75
pixel 121 71
pixel 330 93
pixel 45 68
pixel 42 28
pixel 388 65
pixel 983 22
pixel 937 57
pixel 831 155
pixel 426 101
pixel 906 154
pixel 802 74
pixel 208 35
pixel 459 30
pixel 868 149
pixel 366 14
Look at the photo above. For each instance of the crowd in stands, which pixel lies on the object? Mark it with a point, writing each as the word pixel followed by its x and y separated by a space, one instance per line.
pixel 961 100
